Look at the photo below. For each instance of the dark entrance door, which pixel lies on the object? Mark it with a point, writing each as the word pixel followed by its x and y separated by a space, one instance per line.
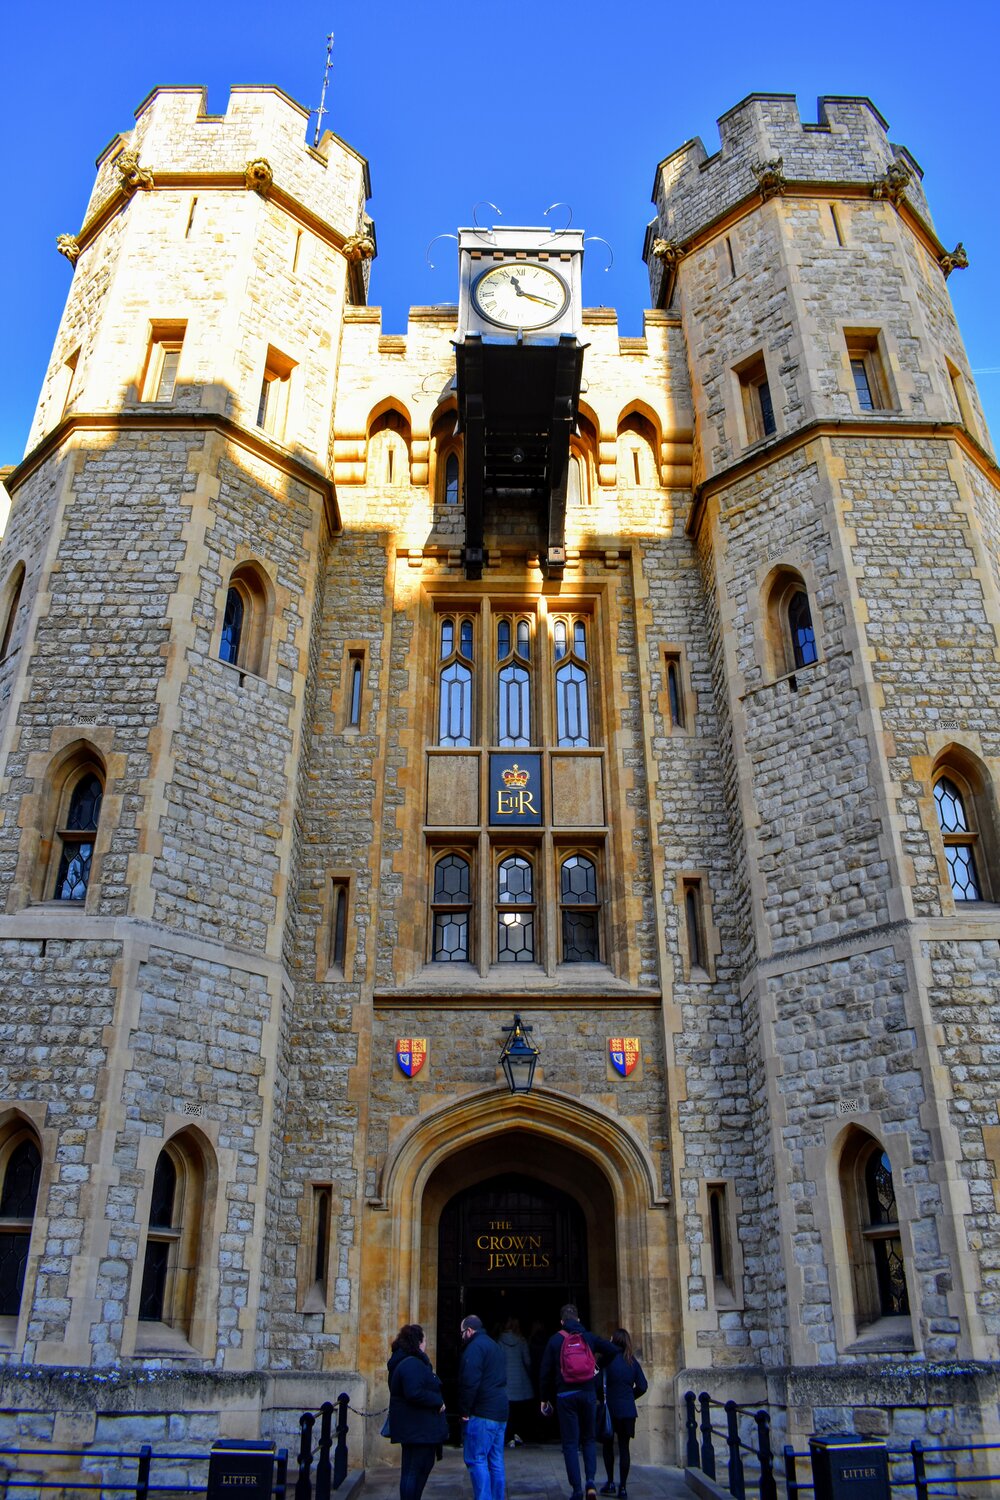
pixel 509 1247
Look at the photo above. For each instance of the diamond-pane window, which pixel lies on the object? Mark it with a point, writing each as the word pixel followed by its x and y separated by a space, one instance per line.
pixel 515 911
pixel 960 838
pixel 800 627
pixel 580 910
pixel 450 909
pixel 883 1236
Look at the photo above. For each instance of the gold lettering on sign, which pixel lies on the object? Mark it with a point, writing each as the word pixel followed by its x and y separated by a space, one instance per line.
pixel 514 804
pixel 507 1250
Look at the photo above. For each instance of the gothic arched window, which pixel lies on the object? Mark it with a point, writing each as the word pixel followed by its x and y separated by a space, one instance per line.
pixel 244 620
pixel 569 638
pixel 800 630
pixel 452 480
pixel 960 838
pixel 21 1164
pixel 172 1252
pixel 455 680
pixel 513 680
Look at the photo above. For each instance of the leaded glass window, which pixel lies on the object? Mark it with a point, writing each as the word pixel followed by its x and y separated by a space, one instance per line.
pixel 515 911
pixel 451 907
pixel 455 681
pixel 883 1235
pixel 17 1210
pixel 569 639
pixel 580 911
pixel 959 840
pixel 77 839
pixel 232 627
pixel 513 680
pixel 800 628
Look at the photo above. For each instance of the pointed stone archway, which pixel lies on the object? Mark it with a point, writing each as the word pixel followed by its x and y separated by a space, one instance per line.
pixel 559 1141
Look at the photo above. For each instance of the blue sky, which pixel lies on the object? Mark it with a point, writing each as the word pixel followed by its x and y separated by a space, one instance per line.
pixel 515 104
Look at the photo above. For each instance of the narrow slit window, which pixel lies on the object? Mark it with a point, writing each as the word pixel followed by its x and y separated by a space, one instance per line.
pixel 17 1212
pixel 356 691
pixel 758 405
pixel 675 690
pixel 718 1220
pixel 339 903
pixel 694 923
pixel 12 608
pixel 838 232
pixel 321 1248
pixel 732 260
pixel 191 215
pixel 452 480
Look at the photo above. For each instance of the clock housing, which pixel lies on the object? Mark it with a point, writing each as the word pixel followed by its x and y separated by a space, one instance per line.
pixel 520 283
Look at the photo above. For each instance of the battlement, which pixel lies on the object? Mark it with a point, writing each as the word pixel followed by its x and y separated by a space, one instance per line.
pixel 175 136
pixel 848 144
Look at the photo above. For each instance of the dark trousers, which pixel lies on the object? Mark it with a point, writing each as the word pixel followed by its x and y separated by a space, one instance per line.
pixel 418 1461
pixel 623 1432
pixel 577 1411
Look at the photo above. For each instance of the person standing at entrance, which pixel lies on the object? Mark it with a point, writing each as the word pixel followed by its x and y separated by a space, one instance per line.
pixel 416 1410
pixel 569 1383
pixel 623 1382
pixel 520 1391
pixel 482 1401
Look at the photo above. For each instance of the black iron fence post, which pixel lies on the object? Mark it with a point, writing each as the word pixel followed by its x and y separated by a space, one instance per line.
pixel 323 1470
pixel 736 1486
pixel 340 1456
pixel 768 1488
pixel 281 1476
pixel 303 1482
pixel 142 1474
pixel 691 1423
pixel 707 1451
pixel 919 1469
pixel 791 1481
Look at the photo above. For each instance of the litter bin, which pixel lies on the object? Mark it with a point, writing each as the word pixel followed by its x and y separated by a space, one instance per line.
pixel 848 1467
pixel 240 1468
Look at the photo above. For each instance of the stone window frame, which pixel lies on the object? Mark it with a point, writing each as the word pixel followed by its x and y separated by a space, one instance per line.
pixel 724 1290
pixel 759 418
pixel 160 372
pixel 678 700
pixel 973 780
pixel 11 601
pixel 466 851
pixel 274 399
pixel 781 585
pixel 65 774
pixel 960 395
pixel 250 580
pixel 188 1324
pixel 316 1248
pixel 867 358
pixel 854 1263
pixel 355 706
pixel 14 1132
pixel 595 854
pixel 692 889
pixel 389 416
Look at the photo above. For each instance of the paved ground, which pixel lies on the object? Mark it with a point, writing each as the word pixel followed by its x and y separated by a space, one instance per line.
pixel 533 1473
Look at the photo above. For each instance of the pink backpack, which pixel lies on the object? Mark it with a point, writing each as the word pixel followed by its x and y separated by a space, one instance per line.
pixel 576 1359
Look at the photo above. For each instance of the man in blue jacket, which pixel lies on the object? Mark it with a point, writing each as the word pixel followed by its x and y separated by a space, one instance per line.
pixel 570 1382
pixel 482 1401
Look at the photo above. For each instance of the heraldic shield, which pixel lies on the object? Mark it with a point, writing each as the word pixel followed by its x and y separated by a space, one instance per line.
pixel 411 1054
pixel 624 1053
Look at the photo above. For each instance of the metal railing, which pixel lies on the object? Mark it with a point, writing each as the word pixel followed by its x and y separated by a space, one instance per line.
pixel 121 1480
pixel 700 1452
pixel 330 1475
pixel 926 1485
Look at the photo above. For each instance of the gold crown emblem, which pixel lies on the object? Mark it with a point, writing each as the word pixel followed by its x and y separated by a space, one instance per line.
pixel 515 777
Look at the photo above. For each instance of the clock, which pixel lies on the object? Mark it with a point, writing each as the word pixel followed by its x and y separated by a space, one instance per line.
pixel 519 294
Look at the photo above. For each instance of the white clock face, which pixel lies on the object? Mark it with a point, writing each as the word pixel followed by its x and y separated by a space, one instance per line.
pixel 520 295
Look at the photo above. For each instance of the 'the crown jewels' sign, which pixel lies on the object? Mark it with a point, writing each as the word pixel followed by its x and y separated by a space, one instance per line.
pixel 515 790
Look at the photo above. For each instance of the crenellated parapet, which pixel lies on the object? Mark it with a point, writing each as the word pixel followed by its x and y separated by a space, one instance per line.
pixel 767 150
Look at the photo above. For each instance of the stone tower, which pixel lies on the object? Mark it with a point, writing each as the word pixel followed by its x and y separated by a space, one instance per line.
pixel 175 495
pixel 845 517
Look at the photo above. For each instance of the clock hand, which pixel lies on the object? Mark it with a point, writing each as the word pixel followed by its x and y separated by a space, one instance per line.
pixel 532 298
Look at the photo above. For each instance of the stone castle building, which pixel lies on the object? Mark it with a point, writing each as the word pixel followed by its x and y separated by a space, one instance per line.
pixel 361 692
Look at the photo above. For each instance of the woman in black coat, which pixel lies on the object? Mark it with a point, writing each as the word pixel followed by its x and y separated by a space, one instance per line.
pixel 416 1410
pixel 623 1382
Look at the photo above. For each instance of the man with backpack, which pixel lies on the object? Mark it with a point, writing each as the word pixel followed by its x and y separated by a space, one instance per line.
pixel 569 1383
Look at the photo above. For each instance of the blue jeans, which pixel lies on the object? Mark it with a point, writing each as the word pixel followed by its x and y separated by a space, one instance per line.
pixel 483 1447
pixel 577 1411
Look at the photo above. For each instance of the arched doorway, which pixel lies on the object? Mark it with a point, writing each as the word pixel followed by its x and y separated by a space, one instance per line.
pixel 562 1147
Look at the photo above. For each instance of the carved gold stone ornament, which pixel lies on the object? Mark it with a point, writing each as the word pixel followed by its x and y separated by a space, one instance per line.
pixel 68 245
pixel 771 180
pixel 894 184
pixel 133 176
pixel 954 260
pixel 258 176
pixel 668 251
pixel 359 247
